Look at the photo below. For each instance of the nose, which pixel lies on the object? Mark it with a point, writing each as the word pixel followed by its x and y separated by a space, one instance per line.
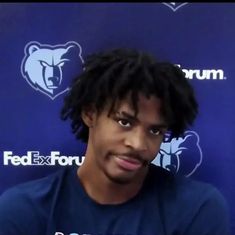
pixel 137 140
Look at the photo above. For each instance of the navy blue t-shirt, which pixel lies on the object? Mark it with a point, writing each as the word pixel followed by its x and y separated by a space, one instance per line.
pixel 166 205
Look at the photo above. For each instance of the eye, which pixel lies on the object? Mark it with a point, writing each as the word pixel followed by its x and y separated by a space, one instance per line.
pixel 61 64
pixel 124 122
pixel 44 64
pixel 156 131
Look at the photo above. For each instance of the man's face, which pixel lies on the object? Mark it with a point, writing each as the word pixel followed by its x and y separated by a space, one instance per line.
pixel 122 145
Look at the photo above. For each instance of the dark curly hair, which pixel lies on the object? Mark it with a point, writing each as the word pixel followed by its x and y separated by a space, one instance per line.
pixel 112 75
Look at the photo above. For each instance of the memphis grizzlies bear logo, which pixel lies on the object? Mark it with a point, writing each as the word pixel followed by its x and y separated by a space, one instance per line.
pixel 47 68
pixel 181 155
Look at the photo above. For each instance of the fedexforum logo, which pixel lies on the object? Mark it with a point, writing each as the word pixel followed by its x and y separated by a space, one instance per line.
pixel 33 158
pixel 204 74
pixel 174 6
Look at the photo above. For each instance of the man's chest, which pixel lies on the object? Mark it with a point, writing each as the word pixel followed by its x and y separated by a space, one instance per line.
pixel 130 221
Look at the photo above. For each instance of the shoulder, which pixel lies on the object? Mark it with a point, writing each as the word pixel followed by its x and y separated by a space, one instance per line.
pixel 188 203
pixel 34 187
pixel 181 186
pixel 27 205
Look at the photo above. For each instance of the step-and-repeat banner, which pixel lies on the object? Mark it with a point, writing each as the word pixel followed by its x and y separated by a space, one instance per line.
pixel 42 49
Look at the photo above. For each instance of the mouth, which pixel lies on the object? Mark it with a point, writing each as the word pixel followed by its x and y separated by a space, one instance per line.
pixel 128 163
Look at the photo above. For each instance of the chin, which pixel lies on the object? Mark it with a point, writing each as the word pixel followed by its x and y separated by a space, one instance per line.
pixel 120 180
pixel 124 178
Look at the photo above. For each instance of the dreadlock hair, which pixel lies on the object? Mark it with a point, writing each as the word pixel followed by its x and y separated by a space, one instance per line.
pixel 112 75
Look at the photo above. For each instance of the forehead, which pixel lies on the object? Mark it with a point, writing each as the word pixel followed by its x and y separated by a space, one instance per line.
pixel 148 108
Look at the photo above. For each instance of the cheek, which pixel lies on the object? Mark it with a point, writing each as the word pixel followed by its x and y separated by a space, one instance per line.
pixel 104 139
pixel 107 132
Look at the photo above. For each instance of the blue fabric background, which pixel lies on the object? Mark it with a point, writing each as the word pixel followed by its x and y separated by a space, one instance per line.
pixel 195 35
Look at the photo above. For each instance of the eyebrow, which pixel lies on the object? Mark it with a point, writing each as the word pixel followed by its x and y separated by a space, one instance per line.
pixel 135 119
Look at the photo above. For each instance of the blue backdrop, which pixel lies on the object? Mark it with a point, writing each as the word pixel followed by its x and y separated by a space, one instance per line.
pixel 42 50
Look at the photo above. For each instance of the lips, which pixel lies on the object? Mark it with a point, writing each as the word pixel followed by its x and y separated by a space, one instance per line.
pixel 128 163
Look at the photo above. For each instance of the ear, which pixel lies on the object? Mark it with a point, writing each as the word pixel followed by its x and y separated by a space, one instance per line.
pixel 89 116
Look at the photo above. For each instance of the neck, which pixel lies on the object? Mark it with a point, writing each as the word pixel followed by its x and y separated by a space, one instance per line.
pixel 102 189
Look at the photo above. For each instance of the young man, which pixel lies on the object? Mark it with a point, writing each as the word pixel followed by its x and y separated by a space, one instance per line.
pixel 122 105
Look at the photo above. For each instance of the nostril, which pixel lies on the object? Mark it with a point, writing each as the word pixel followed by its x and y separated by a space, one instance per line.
pixel 54 80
